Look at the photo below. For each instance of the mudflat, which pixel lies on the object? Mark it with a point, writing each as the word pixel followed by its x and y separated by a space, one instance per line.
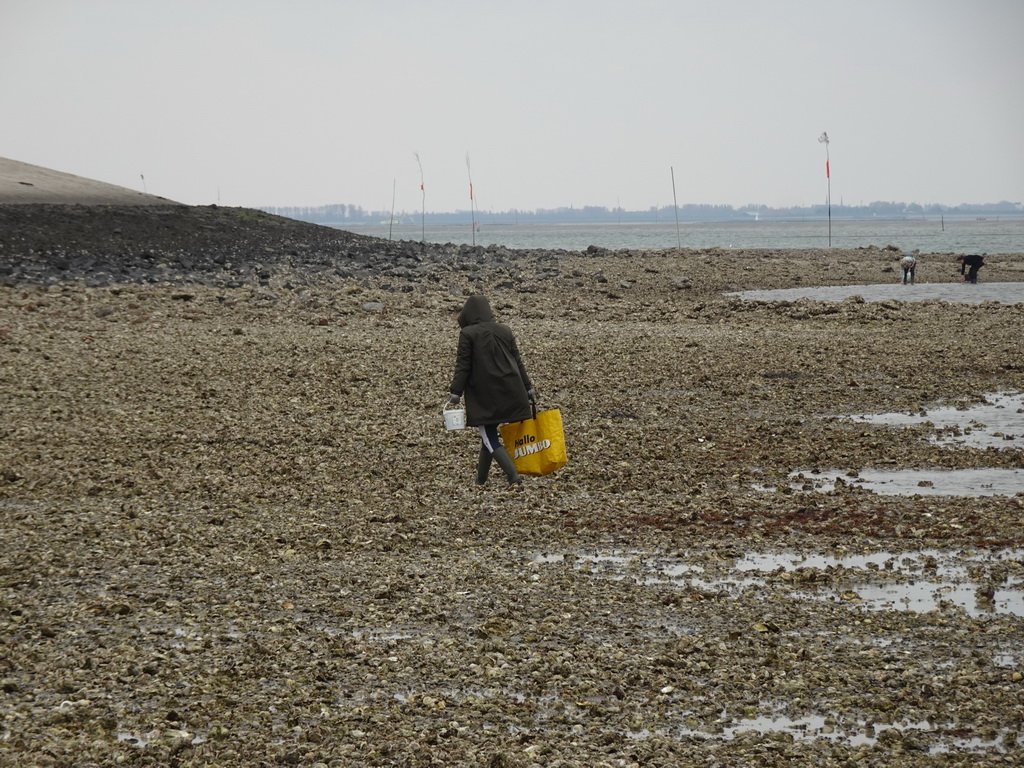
pixel 236 532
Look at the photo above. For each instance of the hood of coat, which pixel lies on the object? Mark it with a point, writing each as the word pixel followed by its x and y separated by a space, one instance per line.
pixel 477 310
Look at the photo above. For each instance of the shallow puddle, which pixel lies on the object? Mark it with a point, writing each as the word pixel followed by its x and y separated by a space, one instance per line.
pixel 911 482
pixel 942 738
pixel 980 584
pixel 944 564
pixel 963 293
pixel 170 736
pixel 927 596
pixel 997 423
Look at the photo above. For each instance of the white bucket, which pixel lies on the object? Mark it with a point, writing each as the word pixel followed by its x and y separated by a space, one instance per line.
pixel 454 418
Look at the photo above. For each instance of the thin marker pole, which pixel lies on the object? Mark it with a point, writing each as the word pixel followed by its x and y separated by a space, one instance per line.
pixel 423 214
pixel 472 208
pixel 675 207
pixel 828 177
pixel 391 221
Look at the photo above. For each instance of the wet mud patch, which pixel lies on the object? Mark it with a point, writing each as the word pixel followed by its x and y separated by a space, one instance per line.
pixel 959 293
pixel 996 423
pixel 976 583
pixel 923 736
pixel 795 619
pixel 915 482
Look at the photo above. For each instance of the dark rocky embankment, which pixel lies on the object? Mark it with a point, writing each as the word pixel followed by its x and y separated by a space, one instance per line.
pixel 217 247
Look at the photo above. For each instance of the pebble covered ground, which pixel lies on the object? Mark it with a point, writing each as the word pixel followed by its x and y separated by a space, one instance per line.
pixel 236 533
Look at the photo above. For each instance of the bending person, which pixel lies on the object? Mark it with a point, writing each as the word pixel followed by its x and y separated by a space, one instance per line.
pixel 972 262
pixel 909 265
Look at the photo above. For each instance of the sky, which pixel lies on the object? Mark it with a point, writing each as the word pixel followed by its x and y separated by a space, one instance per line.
pixel 541 103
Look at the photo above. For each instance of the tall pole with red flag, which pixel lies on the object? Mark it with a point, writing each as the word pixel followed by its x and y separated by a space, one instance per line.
pixel 823 139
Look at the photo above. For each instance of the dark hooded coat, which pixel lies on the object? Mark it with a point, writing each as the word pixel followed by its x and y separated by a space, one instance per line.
pixel 489 372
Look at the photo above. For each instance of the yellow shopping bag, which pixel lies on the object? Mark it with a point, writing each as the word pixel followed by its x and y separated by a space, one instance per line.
pixel 537 445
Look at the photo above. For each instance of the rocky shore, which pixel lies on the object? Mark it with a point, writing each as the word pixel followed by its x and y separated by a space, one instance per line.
pixel 216 247
pixel 235 532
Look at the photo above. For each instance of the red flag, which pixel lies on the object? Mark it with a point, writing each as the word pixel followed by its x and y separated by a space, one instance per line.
pixel 421 187
pixel 826 170
pixel 471 190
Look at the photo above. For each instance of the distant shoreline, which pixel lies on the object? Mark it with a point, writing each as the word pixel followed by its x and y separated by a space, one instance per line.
pixel 950 235
pixel 350 215
pixel 511 221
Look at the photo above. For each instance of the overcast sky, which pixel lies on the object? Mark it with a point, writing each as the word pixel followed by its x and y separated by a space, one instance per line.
pixel 555 102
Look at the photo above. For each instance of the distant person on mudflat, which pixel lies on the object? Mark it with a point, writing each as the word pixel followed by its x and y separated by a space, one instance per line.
pixel 909 265
pixel 490 373
pixel 970 263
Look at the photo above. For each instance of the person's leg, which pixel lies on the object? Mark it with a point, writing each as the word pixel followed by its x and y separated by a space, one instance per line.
pixel 972 274
pixel 483 465
pixel 492 444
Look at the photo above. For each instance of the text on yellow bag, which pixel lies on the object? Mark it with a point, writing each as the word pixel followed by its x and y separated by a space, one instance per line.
pixel 537 445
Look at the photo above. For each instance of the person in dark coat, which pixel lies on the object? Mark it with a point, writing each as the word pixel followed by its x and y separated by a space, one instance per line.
pixel 490 374
pixel 972 262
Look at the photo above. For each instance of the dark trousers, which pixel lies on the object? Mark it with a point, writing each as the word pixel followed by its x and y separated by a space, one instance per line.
pixel 489 437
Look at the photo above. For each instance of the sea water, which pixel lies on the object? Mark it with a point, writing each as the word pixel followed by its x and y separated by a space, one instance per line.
pixel 1001 234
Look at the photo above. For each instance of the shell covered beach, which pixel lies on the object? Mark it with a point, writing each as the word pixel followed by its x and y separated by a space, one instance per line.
pixel 236 533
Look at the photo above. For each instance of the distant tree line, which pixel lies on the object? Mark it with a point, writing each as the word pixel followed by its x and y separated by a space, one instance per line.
pixel 354 214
